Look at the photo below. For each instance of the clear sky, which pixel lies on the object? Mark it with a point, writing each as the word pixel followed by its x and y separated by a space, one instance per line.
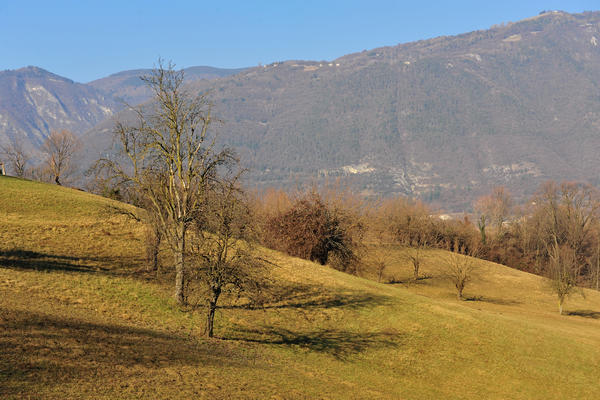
pixel 88 39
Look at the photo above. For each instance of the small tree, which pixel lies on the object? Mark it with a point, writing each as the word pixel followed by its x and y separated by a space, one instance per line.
pixel 312 230
pixel 222 253
pixel 416 257
pixel 17 157
pixel 60 149
pixel 564 271
pixel 459 269
pixel 495 208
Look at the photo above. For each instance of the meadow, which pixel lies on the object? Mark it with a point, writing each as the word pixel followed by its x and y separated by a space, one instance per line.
pixel 81 317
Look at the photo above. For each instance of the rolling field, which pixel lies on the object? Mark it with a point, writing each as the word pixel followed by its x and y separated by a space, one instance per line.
pixel 81 318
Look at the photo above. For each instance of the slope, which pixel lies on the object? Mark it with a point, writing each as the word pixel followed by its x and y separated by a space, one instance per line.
pixel 79 318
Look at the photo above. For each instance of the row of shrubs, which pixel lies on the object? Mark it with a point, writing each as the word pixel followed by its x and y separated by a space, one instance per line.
pixel 333 226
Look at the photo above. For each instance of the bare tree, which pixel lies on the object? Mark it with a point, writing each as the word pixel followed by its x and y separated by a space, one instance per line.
pixel 17 157
pixel 564 272
pixel 60 149
pixel 495 208
pixel 459 269
pixel 221 246
pixel 568 212
pixel 415 254
pixel 169 158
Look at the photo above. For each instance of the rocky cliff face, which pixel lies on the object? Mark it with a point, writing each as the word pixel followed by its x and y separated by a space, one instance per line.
pixel 33 102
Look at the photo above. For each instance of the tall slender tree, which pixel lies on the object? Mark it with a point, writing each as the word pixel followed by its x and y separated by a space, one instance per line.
pixel 169 156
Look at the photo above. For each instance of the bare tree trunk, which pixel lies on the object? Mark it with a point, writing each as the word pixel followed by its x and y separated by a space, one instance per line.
pixel 598 265
pixel 153 241
pixel 560 306
pixel 212 308
pixel 416 265
pixel 180 272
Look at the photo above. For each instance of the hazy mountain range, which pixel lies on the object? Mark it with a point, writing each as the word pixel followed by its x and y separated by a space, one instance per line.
pixel 444 119
pixel 33 101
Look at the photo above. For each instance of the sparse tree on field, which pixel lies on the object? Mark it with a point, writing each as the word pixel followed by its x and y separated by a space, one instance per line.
pixel 60 149
pixel 459 269
pixel 381 258
pixel 415 254
pixel 221 246
pixel 17 157
pixel 417 240
pixel 564 272
pixel 170 158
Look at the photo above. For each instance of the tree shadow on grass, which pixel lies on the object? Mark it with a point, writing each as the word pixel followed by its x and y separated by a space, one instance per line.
pixel 585 314
pixel 32 260
pixel 493 300
pixel 286 296
pixel 409 281
pixel 44 351
pixel 338 343
pixel 25 259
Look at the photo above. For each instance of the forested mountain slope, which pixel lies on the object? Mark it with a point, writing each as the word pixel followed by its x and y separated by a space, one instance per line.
pixel 444 119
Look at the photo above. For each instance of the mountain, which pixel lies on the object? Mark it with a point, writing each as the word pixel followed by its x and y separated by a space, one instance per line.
pixel 128 86
pixel 443 119
pixel 34 102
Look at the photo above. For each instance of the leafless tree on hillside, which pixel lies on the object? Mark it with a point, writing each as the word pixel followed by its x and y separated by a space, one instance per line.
pixel 16 156
pixel 459 269
pixel 221 250
pixel 169 158
pixel 564 272
pixel 60 149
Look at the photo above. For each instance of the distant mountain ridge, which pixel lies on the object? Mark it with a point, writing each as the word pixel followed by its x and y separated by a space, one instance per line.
pixel 443 119
pixel 128 86
pixel 34 102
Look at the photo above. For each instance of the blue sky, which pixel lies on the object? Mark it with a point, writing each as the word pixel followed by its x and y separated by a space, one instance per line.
pixel 85 40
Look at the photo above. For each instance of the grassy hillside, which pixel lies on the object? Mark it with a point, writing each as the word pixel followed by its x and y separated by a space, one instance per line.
pixel 78 321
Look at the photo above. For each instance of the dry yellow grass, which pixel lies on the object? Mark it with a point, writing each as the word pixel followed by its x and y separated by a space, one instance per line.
pixel 78 321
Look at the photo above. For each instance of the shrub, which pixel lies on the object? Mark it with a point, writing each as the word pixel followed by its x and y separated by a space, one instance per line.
pixel 312 230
